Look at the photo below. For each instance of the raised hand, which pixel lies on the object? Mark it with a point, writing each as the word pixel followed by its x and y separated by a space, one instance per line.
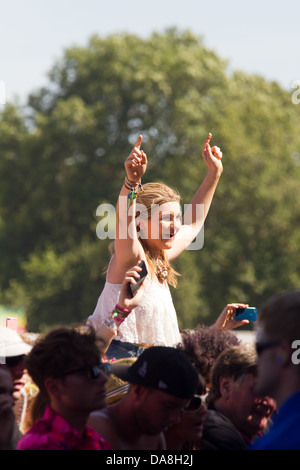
pixel 212 156
pixel 226 321
pixel 136 162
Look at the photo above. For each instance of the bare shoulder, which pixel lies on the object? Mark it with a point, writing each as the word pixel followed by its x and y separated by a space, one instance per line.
pixel 104 425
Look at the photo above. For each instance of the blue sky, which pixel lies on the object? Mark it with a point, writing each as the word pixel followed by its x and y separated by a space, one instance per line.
pixel 260 37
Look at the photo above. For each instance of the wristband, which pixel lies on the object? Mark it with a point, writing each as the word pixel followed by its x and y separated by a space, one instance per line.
pixel 133 189
pixel 124 310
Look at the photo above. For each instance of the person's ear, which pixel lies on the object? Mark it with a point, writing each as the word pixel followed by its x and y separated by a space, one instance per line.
pixel 138 392
pixel 225 386
pixel 53 386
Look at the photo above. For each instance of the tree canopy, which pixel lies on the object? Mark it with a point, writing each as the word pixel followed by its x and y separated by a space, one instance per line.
pixel 63 154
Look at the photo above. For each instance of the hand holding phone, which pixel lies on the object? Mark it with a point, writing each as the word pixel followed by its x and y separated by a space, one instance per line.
pixel 143 274
pixel 132 291
pixel 248 313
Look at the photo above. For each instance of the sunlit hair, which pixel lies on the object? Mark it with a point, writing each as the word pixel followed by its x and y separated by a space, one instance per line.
pixel 234 363
pixel 151 195
pixel 156 193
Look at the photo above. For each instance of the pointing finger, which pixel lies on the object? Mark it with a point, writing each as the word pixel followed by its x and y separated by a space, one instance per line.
pixel 206 143
pixel 139 141
pixel 208 139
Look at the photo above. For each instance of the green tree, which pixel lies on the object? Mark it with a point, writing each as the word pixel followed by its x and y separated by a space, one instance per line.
pixel 63 155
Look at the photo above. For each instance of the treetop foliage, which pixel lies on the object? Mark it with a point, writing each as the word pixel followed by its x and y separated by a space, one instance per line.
pixel 63 154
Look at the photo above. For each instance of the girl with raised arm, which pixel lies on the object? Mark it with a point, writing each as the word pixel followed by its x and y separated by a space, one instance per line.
pixel 150 227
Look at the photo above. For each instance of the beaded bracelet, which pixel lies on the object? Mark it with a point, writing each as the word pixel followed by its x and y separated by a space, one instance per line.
pixel 133 189
pixel 119 314
pixel 120 309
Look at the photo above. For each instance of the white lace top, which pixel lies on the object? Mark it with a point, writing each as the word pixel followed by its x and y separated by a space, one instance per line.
pixel 154 321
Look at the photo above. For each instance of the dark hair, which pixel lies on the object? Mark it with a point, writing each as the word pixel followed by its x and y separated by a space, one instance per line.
pixel 59 351
pixel 203 345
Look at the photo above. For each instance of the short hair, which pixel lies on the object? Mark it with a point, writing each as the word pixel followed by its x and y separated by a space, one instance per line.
pixel 60 351
pixel 234 363
pixel 280 316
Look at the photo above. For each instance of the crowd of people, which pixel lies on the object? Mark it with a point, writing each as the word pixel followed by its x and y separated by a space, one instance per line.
pixel 129 379
pixel 228 396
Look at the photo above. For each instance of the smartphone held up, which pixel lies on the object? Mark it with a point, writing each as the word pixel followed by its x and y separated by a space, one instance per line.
pixel 245 313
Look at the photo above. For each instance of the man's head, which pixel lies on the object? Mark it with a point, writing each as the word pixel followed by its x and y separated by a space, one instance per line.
pixel 65 365
pixel 162 383
pixel 12 352
pixel 232 390
pixel 11 344
pixel 163 368
pixel 278 335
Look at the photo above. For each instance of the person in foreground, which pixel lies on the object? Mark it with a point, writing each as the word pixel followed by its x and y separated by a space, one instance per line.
pixel 278 349
pixel 65 365
pixel 149 228
pixel 162 382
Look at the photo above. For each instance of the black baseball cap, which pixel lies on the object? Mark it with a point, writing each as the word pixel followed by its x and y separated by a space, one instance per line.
pixel 161 367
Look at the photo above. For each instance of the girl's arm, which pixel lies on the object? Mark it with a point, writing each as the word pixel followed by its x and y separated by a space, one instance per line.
pixel 127 247
pixel 198 208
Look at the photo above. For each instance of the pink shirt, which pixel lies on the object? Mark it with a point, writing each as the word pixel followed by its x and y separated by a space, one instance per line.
pixel 52 432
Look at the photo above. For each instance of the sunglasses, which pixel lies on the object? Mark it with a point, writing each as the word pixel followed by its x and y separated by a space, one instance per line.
pixel 92 372
pixel 14 360
pixel 194 405
pixel 261 346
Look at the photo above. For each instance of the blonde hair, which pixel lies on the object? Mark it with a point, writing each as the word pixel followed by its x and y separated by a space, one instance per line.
pixel 150 195
pixel 156 193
